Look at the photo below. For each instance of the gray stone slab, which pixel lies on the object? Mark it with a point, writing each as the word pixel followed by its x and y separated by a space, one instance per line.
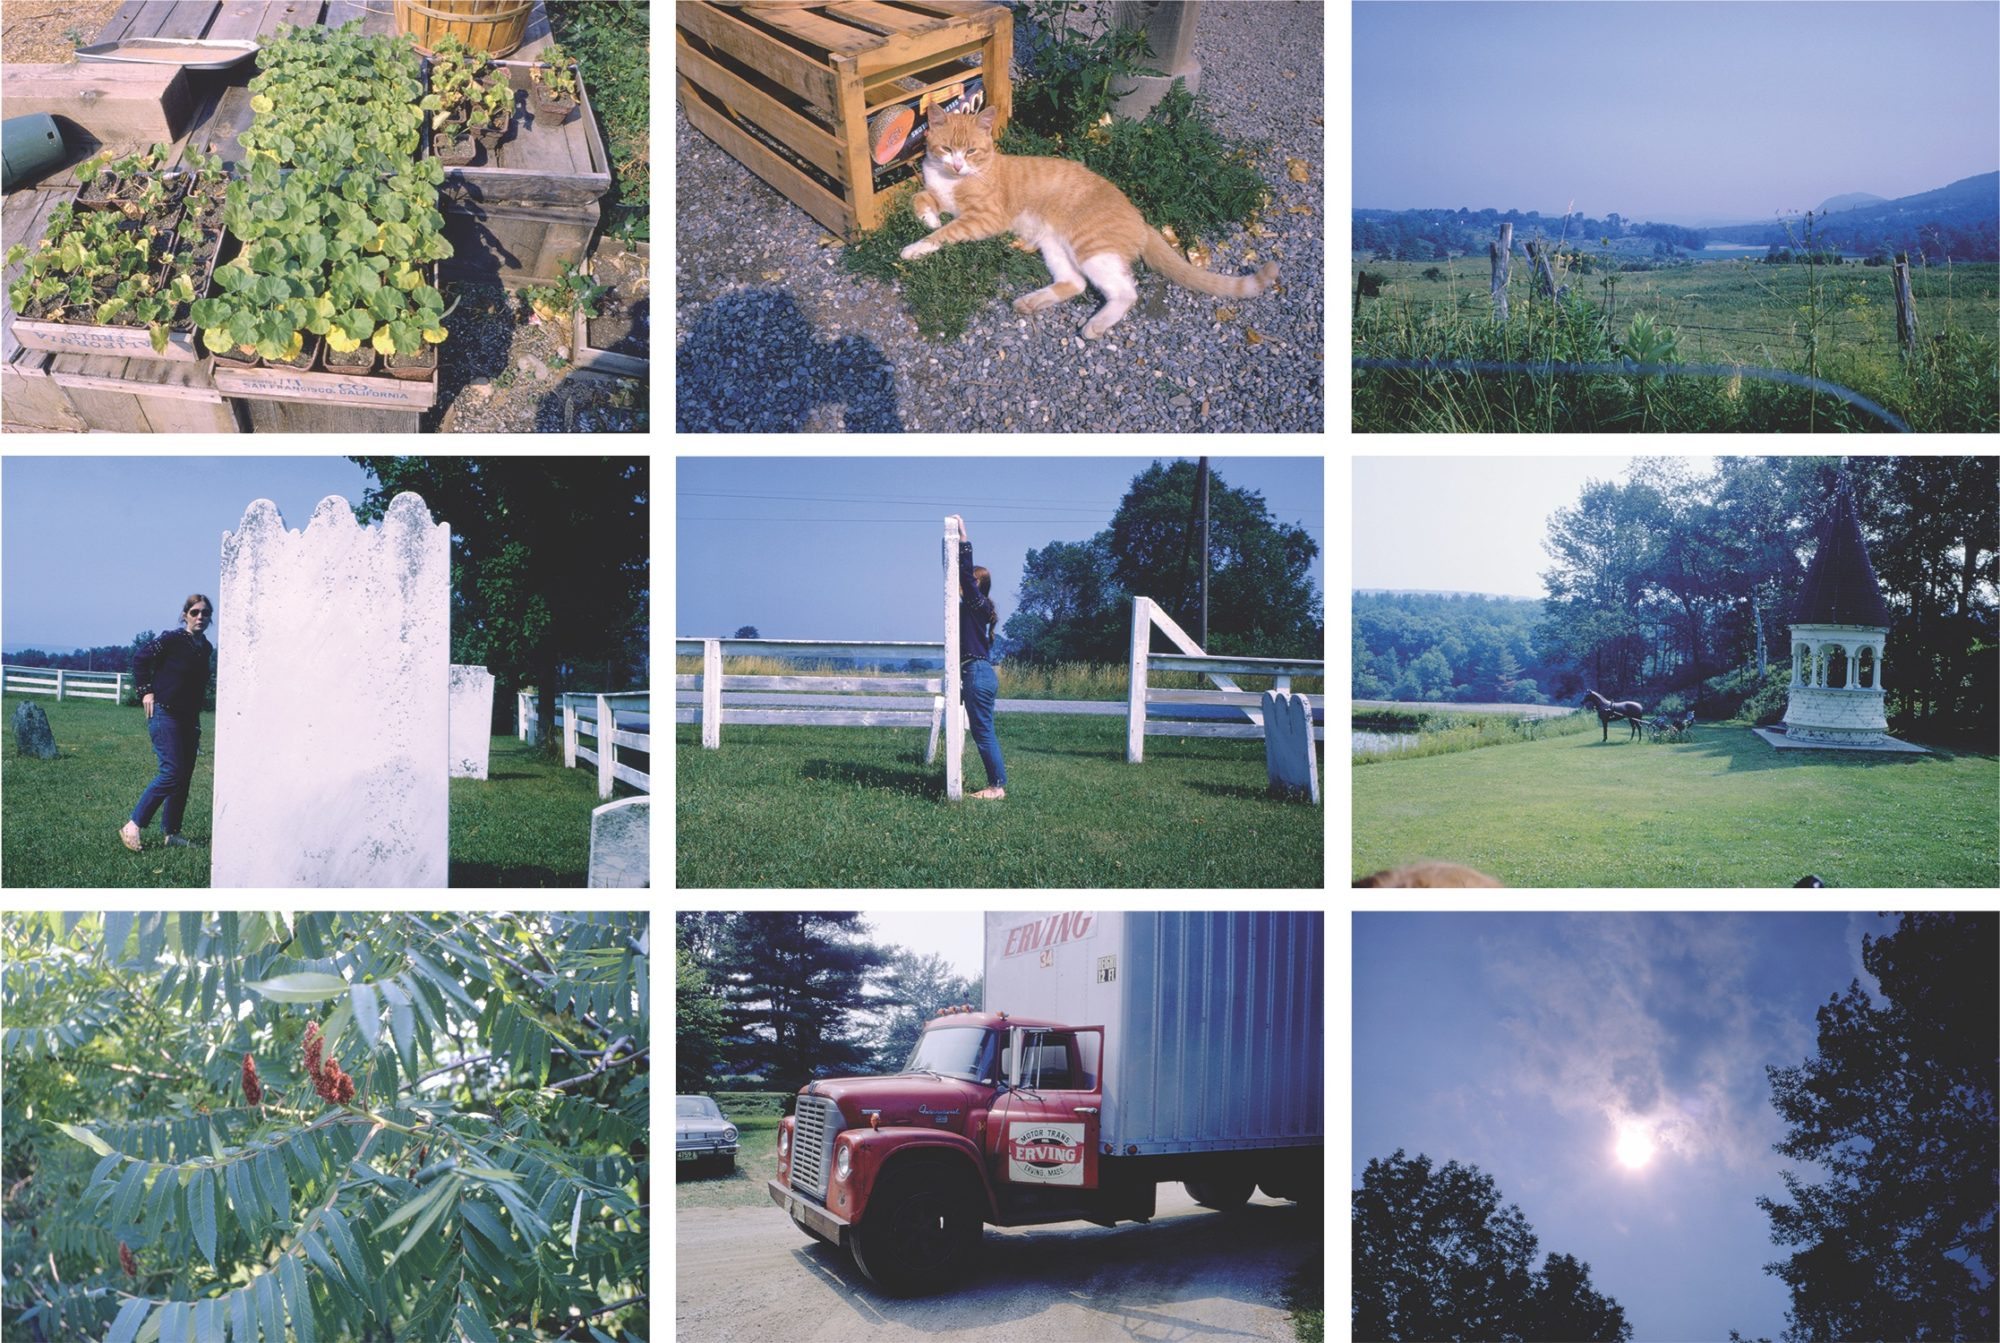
pixel 471 721
pixel 621 843
pixel 1886 746
pixel 32 734
pixel 332 732
pixel 1288 746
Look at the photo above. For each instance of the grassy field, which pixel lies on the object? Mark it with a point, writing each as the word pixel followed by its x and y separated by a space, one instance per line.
pixel 1722 312
pixel 526 824
pixel 1722 809
pixel 793 806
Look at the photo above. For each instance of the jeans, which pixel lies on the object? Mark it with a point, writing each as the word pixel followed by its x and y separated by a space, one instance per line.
pixel 175 741
pixel 979 689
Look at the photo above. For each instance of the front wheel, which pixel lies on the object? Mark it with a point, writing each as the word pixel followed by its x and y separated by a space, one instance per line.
pixel 920 1234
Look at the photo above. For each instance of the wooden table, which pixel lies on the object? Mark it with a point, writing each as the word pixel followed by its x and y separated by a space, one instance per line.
pixel 98 392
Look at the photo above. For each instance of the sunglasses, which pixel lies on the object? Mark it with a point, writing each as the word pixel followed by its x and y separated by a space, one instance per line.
pixel 202 611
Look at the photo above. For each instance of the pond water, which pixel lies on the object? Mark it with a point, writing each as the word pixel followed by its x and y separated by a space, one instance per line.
pixel 1382 741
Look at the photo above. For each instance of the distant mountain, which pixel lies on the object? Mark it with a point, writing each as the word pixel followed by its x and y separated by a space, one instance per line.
pixel 1961 220
pixel 1849 201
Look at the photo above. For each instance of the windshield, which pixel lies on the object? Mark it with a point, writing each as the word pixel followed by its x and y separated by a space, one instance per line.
pixel 955 1051
pixel 696 1107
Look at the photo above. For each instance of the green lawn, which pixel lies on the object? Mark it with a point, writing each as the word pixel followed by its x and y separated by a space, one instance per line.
pixel 792 806
pixel 1723 809
pixel 526 824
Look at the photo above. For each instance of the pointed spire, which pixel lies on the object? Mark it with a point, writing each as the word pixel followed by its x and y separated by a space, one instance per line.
pixel 1841 587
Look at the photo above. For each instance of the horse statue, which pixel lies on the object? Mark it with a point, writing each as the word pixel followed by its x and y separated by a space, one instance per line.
pixel 1630 710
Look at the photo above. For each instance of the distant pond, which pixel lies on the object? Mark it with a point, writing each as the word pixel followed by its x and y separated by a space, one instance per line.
pixel 1382 741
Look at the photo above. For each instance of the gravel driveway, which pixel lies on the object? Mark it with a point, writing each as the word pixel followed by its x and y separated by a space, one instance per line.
pixel 748 1273
pixel 773 336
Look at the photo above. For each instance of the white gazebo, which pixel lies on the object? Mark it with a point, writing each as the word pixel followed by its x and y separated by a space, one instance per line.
pixel 1839 626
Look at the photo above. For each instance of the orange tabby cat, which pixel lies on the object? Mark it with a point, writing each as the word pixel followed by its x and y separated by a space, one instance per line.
pixel 1083 225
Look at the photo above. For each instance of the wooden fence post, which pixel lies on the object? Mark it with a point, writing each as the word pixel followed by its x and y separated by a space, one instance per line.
pixel 711 694
pixel 607 746
pixel 569 732
pixel 1545 275
pixel 1906 304
pixel 1135 681
pixel 1499 252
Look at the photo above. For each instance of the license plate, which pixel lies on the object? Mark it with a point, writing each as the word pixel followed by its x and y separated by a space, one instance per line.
pixel 797 1208
pixel 689 1156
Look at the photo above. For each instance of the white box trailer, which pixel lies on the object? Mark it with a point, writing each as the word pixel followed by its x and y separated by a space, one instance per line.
pixel 1214 1022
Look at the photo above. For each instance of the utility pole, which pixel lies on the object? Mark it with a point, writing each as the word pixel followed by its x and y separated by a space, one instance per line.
pixel 1202 487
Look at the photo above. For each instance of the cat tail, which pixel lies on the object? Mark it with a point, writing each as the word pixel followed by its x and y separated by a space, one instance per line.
pixel 1162 256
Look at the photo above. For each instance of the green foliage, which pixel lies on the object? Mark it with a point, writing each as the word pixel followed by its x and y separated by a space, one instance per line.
pixel 573 290
pixel 1073 74
pixel 700 1024
pixel 614 42
pixel 944 289
pixel 489 1176
pixel 555 71
pixel 99 267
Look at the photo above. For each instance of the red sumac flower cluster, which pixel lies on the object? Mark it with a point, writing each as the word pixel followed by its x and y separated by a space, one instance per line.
pixel 253 1090
pixel 126 1261
pixel 331 1083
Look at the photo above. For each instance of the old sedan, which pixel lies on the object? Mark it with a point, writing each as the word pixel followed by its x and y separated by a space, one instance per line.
pixel 701 1133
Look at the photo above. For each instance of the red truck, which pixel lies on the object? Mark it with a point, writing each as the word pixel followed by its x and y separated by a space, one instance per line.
pixel 1117 1051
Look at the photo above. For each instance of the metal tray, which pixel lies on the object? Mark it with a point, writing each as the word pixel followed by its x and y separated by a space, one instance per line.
pixel 190 53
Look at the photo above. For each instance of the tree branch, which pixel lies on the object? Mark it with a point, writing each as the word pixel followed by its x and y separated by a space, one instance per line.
pixel 601 1310
pixel 604 1065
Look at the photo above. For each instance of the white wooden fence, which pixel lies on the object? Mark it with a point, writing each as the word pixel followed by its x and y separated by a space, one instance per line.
pixel 596 717
pixel 64 683
pixel 1146 615
pixel 838 701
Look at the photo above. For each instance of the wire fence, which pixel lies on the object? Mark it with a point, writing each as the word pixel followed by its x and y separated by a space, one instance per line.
pixel 1626 368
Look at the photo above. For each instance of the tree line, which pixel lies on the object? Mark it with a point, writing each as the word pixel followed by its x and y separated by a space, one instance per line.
pixel 1434 235
pixel 1448 647
pixel 1896 1109
pixel 774 1000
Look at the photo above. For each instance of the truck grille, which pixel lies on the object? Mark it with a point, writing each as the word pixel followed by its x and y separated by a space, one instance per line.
pixel 815 1124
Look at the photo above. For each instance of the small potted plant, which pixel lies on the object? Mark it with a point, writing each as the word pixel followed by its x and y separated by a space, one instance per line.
pixel 493 111
pixel 552 86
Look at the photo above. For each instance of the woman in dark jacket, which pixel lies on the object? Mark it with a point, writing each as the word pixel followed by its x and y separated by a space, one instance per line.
pixel 979 685
pixel 171 673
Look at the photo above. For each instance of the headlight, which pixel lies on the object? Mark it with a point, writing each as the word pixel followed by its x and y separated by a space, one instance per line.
pixel 843 1163
pixel 784 1142
pixel 729 1133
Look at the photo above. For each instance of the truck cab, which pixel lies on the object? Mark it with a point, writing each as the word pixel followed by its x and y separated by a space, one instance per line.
pixel 993 1119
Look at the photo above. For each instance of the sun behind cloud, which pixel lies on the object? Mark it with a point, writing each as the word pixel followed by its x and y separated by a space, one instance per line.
pixel 1635 1146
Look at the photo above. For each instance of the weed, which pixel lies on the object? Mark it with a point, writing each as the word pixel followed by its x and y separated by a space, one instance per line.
pixel 612 39
pixel 944 289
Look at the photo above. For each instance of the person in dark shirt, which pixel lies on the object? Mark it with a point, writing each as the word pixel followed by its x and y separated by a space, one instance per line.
pixel 979 685
pixel 171 673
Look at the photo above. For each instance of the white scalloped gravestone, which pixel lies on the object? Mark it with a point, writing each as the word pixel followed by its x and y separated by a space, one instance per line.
pixel 621 843
pixel 332 724
pixel 1288 746
pixel 471 720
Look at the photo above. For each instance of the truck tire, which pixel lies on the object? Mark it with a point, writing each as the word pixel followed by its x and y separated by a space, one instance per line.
pixel 1224 1193
pixel 921 1231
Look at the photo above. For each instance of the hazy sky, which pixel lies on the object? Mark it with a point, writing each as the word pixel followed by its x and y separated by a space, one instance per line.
pixel 1467 524
pixel 1670 111
pixel 959 936
pixel 1524 1043
pixel 849 547
pixel 97 549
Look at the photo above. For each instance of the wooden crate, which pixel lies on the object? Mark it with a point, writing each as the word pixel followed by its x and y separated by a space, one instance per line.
pixel 321 417
pixel 787 88
pixel 340 389
pixel 111 394
pixel 583 353
pixel 115 103
pixel 129 342
pixel 516 244
pixel 538 163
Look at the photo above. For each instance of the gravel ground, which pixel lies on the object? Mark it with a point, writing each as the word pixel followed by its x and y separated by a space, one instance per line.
pixel 775 337
pixel 32 33
pixel 502 375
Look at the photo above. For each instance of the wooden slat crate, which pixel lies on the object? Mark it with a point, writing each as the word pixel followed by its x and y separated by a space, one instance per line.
pixel 30 399
pixel 538 163
pixel 787 89
pixel 115 395
pixel 516 244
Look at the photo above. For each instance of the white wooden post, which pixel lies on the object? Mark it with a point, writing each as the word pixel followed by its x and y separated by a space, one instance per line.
pixel 61 677
pixel 569 732
pixel 1135 690
pixel 954 684
pixel 118 689
pixel 520 715
pixel 711 694
pixel 607 747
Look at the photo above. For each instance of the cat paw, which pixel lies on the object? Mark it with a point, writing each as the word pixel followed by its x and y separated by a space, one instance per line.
pixel 1092 331
pixel 1028 303
pixel 930 218
pixel 921 247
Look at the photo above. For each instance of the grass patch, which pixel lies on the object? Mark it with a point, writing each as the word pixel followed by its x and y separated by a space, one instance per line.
pixel 1305 1300
pixel 526 824
pixel 945 289
pixel 1448 733
pixel 614 43
pixel 1721 809
pixel 848 807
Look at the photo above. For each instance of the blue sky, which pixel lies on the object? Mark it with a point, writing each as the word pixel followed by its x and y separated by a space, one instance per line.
pixel 848 547
pixel 1675 112
pixel 96 549
pixel 1522 1043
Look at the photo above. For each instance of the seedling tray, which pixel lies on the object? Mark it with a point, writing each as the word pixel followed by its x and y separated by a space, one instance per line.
pixel 341 389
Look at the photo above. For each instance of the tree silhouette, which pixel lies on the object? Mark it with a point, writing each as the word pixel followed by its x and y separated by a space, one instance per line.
pixel 1898 1107
pixel 1436 1256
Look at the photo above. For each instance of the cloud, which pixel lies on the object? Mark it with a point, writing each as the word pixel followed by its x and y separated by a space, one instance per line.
pixel 1647 1019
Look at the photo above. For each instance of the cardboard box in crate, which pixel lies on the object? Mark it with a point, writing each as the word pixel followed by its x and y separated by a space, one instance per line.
pixel 787 88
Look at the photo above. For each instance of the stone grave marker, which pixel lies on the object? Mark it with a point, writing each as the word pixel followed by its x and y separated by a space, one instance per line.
pixel 620 843
pixel 1288 746
pixel 32 736
pixel 471 721
pixel 332 723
